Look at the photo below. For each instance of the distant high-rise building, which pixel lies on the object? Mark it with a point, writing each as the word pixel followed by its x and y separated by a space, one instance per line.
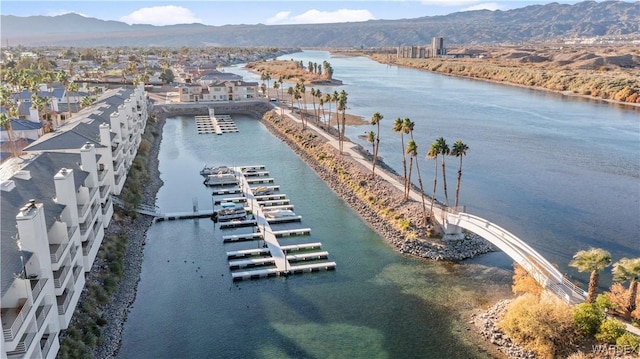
pixel 437 46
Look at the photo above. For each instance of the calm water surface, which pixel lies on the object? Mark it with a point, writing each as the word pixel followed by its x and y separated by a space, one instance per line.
pixel 377 304
pixel 561 173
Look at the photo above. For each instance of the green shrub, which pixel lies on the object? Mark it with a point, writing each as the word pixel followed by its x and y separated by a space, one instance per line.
pixel 610 331
pixel 628 340
pixel 588 318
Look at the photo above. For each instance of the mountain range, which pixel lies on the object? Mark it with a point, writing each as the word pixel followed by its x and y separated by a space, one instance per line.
pixel 531 23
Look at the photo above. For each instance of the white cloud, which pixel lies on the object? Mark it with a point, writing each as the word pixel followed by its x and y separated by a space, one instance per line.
pixel 486 6
pixel 161 15
pixel 314 16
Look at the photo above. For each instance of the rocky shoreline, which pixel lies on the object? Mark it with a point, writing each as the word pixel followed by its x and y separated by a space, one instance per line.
pixel 453 250
pixel 136 232
pixel 486 322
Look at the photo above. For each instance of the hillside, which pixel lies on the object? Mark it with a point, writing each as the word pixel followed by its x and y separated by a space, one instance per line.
pixel 531 23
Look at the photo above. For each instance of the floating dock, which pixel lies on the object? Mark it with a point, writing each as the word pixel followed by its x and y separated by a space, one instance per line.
pixel 270 259
pixel 216 124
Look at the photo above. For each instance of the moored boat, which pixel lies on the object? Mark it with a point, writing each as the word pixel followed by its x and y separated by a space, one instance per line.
pixel 214 170
pixel 279 213
pixel 222 179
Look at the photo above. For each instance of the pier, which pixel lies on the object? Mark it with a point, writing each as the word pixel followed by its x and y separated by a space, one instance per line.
pixel 271 259
pixel 217 124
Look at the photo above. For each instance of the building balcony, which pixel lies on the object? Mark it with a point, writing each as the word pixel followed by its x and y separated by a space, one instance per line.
pixel 77 272
pixel 102 174
pixel 23 346
pixel 41 315
pixel 64 300
pixel 36 288
pixel 60 276
pixel 13 318
pixel 57 250
pixel 104 193
pixel 46 342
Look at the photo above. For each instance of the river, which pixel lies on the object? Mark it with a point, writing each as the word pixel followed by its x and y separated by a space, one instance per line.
pixel 559 172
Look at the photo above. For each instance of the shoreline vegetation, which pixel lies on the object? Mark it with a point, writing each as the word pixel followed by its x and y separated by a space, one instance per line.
pixel 614 84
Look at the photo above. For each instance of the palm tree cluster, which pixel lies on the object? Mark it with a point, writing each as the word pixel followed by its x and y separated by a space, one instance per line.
pixel 595 260
pixel 438 149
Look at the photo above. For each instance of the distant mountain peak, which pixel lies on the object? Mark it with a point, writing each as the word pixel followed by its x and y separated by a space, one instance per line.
pixel 534 22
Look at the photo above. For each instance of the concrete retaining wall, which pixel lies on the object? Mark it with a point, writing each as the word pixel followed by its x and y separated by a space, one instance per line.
pixel 254 109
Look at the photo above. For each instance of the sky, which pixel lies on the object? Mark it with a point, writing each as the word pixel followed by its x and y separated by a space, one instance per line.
pixel 268 12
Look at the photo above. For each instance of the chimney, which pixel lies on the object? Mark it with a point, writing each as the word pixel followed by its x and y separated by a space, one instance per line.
pixel 32 228
pixel 88 159
pixel 105 135
pixel 66 193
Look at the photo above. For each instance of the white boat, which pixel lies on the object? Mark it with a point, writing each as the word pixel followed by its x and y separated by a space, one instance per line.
pixel 262 191
pixel 230 211
pixel 214 170
pixel 279 213
pixel 222 179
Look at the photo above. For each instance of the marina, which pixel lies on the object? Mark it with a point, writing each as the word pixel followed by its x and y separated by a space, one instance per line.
pixel 215 124
pixel 263 213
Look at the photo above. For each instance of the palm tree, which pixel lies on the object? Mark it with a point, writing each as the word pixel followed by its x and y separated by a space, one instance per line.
pixel 5 124
pixel 459 149
pixel 412 151
pixel 594 260
pixel 375 120
pixel 628 270
pixel 433 153
pixel 73 87
pixel 276 86
pixel 444 151
pixel 398 127
pixel 62 77
pixel 407 128
pixel 328 99
pixel 290 93
pixel 371 138
pixel 313 101
pixel 342 103
pixel 335 97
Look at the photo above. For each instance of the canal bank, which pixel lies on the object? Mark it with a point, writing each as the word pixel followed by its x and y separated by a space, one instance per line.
pixel 400 307
pixel 401 222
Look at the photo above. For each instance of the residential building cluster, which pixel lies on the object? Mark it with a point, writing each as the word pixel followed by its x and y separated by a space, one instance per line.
pixel 436 49
pixel 56 203
pixel 204 84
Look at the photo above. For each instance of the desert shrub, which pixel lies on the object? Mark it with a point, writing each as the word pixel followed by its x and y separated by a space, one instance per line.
pixel 544 325
pixel 588 318
pixel 628 340
pixel 610 331
pixel 523 282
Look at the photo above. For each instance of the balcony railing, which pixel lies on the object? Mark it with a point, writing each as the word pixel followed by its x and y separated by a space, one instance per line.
pixel 25 343
pixel 60 275
pixel 46 341
pixel 36 287
pixel 102 174
pixel 12 319
pixel 56 251
pixel 82 209
pixel 77 271
pixel 86 246
pixel 104 192
pixel 92 193
pixel 41 314
pixel 71 231
pixel 63 301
